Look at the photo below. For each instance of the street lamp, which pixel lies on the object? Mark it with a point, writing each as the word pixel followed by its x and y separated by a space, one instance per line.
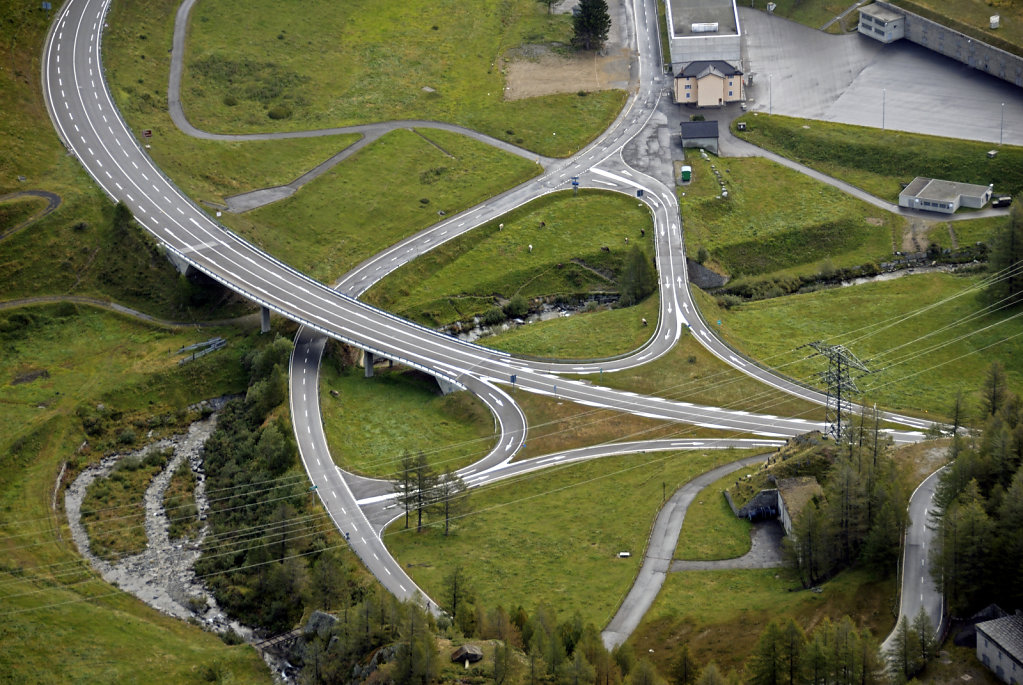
pixel 884 94
pixel 770 93
pixel 1001 126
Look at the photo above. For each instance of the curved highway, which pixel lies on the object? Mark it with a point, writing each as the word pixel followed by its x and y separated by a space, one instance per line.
pixel 93 130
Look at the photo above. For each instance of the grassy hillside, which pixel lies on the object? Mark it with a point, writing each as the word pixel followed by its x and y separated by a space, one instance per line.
pixel 878 161
pixel 78 382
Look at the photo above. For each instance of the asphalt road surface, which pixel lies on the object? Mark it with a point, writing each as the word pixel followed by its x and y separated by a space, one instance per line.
pixel 93 130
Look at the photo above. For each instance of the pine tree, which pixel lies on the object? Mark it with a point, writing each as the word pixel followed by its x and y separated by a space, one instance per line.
pixel 638 277
pixel 684 670
pixel 592 24
pixel 1006 260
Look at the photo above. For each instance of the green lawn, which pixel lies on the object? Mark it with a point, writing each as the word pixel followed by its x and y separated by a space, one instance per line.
pixel 583 335
pixel 918 364
pixel 374 421
pixel 553 536
pixel 720 614
pixel 689 373
pixel 878 161
pixel 373 200
pixel 776 219
pixel 812 13
pixel 75 379
pixel 250 61
pixel 710 529
pixel 568 234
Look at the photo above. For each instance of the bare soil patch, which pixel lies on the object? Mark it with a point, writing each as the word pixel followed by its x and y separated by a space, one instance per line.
pixel 30 376
pixel 536 70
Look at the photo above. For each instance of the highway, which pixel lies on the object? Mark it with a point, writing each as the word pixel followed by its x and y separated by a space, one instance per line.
pixel 93 130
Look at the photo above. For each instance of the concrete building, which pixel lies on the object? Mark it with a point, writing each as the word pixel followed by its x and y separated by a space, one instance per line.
pixel 1000 647
pixel 886 22
pixel 701 134
pixel 934 195
pixel 703 31
pixel 708 84
pixel 881 23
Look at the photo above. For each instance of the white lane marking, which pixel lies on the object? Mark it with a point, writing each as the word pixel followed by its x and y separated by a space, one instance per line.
pixel 318 462
pixel 334 494
pixel 388 570
pixel 375 556
pixel 402 587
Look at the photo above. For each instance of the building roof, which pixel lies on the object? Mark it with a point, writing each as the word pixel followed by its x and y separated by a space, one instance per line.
pixel 699 129
pixel 684 13
pixel 1007 632
pixel 882 13
pixel 936 190
pixel 701 68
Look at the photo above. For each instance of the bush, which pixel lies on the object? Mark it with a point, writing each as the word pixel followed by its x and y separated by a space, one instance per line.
pixel 493 316
pixel 702 255
pixel 279 112
pixel 516 307
pixel 126 437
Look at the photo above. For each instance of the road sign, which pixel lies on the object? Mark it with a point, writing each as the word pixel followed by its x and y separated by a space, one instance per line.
pixel 513 377
pixel 639 193
pixel 148 133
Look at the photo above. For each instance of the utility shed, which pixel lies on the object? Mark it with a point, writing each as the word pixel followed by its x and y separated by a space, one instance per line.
pixel 935 195
pixel 1000 647
pixel 882 23
pixel 702 134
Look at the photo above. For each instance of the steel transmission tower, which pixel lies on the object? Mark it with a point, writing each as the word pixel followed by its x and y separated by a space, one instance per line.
pixel 839 382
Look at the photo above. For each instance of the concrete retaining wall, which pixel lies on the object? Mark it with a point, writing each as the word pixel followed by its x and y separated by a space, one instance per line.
pixel 960 47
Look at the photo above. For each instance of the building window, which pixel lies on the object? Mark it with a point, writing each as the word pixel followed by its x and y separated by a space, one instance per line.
pixel 688 95
pixel 729 93
pixel 689 86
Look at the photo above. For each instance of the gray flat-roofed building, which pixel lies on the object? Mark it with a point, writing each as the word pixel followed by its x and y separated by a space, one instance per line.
pixel 702 134
pixel 1000 647
pixel 881 23
pixel 935 195
pixel 703 30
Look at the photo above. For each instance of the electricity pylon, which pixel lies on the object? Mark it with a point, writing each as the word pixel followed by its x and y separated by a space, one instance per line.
pixel 839 382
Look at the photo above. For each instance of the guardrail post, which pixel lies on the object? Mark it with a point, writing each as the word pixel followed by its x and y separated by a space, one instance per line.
pixel 264 320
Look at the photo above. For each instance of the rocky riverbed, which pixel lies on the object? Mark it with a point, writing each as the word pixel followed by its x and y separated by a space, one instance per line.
pixel 162 576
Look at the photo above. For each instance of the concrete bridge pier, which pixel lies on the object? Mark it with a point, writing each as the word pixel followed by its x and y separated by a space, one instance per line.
pixel 264 320
pixel 446 386
pixel 367 361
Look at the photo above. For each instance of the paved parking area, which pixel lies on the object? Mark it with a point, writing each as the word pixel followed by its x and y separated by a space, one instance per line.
pixel 802 72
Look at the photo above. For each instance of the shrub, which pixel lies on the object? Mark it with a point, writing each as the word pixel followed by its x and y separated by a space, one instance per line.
pixel 493 316
pixel 516 307
pixel 230 100
pixel 279 112
pixel 126 437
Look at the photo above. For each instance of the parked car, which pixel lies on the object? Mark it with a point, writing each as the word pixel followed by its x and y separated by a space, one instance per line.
pixel 1002 201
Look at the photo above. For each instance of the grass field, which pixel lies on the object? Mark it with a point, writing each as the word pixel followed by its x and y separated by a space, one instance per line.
pixel 812 13
pixel 877 161
pixel 720 614
pixel 710 530
pixel 76 379
pixel 568 233
pixel 776 219
pixel 374 421
pixel 553 536
pixel 583 335
pixel 136 54
pixel 689 373
pixel 374 199
pixel 923 345
pixel 249 62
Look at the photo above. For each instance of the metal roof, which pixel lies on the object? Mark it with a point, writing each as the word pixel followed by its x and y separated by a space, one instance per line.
pixel 699 129
pixel 942 191
pixel 701 67
pixel 1007 632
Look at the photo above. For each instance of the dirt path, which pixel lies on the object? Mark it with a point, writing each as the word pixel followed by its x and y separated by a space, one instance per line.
pixel 250 319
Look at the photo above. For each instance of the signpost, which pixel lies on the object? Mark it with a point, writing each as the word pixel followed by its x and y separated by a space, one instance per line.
pixel 148 133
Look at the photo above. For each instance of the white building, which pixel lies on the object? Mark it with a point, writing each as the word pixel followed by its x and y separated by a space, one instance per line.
pixel 935 195
pixel 1000 647
pixel 881 23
